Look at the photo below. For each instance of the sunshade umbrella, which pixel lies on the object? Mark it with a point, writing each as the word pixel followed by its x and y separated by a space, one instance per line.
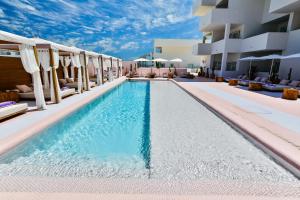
pixel 177 60
pixel 160 60
pixel 251 58
pixel 273 58
pixel 141 60
pixel 292 56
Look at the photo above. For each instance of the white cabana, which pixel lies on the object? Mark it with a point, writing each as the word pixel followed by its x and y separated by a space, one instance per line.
pixel 29 60
pixel 49 54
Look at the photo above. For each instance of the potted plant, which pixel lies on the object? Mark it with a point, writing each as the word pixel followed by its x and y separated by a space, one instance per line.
pixel 151 75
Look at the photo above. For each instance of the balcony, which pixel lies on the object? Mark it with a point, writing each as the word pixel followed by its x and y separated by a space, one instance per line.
pixel 202 49
pixel 265 42
pixel 218 17
pixel 201 7
pixel 286 6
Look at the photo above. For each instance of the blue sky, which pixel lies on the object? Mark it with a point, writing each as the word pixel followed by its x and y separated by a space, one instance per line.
pixel 122 28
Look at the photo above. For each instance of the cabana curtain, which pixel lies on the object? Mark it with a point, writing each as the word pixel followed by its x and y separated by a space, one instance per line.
pixel 95 61
pixel 30 65
pixel 84 64
pixel 44 61
pixel 76 63
pixel 65 62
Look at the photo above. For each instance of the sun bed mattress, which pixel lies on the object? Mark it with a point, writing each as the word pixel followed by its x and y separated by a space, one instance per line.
pixel 67 92
pixel 13 110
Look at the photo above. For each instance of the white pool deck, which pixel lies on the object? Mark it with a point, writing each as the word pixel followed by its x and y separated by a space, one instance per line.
pixel 272 121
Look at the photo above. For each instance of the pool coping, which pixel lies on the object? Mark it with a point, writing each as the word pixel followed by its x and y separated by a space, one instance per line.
pixel 283 154
pixel 19 137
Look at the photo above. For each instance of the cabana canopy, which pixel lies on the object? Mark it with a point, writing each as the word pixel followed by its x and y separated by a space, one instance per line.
pixel 9 38
pixel 41 43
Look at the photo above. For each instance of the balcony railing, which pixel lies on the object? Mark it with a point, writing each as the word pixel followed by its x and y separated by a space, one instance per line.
pixel 266 41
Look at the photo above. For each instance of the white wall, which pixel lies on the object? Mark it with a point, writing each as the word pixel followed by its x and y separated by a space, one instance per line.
pixel 177 48
pixel 292 48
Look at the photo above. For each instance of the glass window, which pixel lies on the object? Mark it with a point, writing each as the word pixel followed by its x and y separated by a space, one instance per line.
pixel 158 49
pixel 231 66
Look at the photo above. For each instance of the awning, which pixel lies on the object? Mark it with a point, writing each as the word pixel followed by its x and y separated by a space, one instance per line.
pixel 141 60
pixel 160 60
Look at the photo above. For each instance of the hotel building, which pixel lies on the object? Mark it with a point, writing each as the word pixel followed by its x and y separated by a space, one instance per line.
pixel 234 29
pixel 177 48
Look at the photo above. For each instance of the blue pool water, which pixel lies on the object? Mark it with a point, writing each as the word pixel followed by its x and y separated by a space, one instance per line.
pixel 106 137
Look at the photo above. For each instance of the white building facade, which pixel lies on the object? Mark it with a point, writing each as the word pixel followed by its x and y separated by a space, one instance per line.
pixel 234 29
pixel 170 49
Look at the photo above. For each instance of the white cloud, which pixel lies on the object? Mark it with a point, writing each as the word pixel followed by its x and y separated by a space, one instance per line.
pixel 106 44
pixel 2 14
pixel 130 46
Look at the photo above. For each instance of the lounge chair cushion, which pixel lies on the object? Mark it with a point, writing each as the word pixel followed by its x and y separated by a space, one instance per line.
pixel 23 88
pixel 257 79
pixel 264 79
pixel 274 87
pixel 13 110
pixel 67 92
pixel 70 80
pixel 62 82
pixel 294 83
pixel 7 103
pixel 72 85
pixel 284 82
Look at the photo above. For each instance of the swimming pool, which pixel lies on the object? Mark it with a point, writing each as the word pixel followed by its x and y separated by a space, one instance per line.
pixel 144 130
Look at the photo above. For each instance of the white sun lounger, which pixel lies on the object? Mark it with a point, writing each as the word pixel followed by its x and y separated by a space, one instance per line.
pixel 12 110
pixel 64 93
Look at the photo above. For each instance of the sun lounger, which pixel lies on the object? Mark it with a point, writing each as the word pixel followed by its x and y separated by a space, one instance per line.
pixel 277 87
pixel 64 93
pixel 12 110
pixel 244 82
pixel 72 85
pixel 30 95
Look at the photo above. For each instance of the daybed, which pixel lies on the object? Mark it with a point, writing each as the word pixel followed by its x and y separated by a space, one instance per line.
pixel 65 92
pixel 12 110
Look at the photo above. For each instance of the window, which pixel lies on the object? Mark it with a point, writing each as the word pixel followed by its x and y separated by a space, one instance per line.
pixel 217 65
pixel 231 66
pixel 235 35
pixel 158 49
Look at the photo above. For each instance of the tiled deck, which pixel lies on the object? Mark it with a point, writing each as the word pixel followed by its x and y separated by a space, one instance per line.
pixel 271 120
